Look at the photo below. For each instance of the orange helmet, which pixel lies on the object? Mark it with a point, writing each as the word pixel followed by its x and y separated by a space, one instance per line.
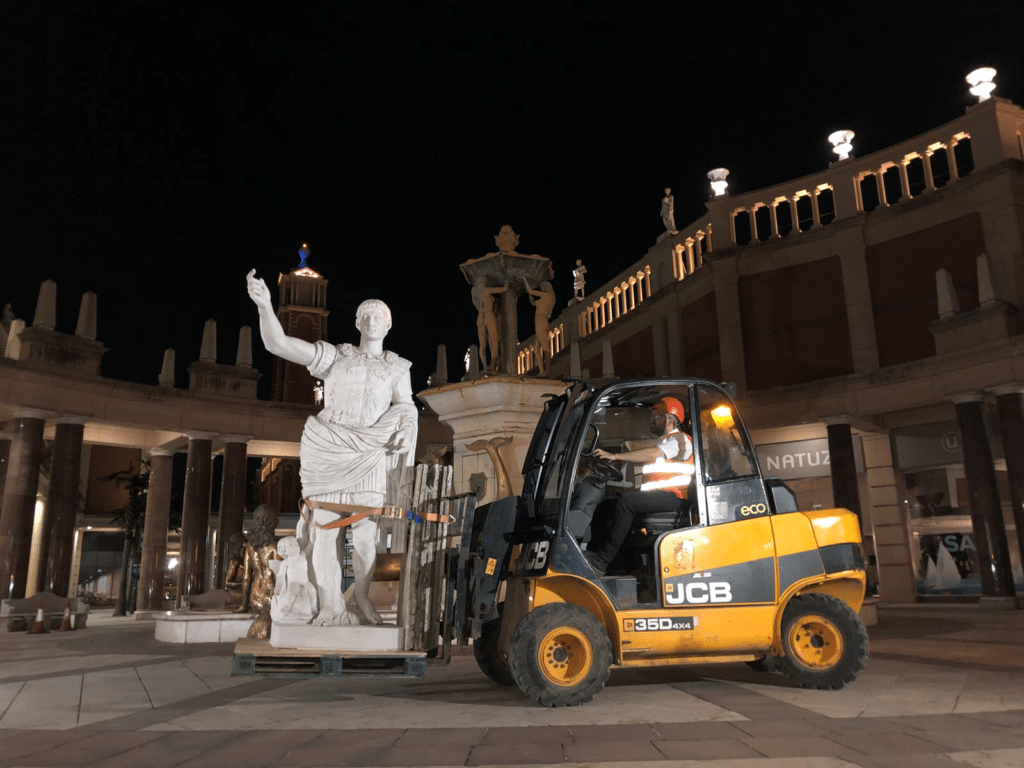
pixel 670 405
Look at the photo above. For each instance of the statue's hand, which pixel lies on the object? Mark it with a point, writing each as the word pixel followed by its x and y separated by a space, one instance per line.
pixel 400 440
pixel 258 290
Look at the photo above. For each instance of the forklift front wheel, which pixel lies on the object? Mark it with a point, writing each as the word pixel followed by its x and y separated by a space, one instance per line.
pixel 560 655
pixel 825 642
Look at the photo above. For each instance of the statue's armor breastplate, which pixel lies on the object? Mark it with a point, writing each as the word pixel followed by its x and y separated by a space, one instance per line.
pixel 358 388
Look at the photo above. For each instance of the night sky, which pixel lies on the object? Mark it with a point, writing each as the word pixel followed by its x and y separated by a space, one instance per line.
pixel 156 152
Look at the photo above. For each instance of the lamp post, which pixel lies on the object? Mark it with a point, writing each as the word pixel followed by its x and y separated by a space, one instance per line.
pixel 981 83
pixel 842 143
pixel 717 177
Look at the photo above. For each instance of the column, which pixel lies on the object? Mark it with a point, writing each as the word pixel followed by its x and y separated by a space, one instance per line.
pixel 773 210
pixel 986 515
pixel 883 202
pixel 732 227
pixel 904 179
pixel 58 542
pixel 195 516
pixel 844 468
pixel 1010 403
pixel 794 215
pixel 815 211
pixel 154 531
pixel 954 174
pixel 888 523
pixel 753 226
pixel 929 179
pixel 232 496
pixel 19 502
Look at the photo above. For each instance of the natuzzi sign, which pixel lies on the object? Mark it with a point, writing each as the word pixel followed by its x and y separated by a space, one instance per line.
pixel 802 458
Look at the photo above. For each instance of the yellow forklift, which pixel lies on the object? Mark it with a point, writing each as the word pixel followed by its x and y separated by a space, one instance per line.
pixel 735 573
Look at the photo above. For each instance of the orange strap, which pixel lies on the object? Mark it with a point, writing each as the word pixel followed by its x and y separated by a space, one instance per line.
pixel 356 513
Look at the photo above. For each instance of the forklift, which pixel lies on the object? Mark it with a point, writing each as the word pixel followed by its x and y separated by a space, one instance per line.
pixel 736 574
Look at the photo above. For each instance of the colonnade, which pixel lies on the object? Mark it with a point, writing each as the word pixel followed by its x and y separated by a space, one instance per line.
pixel 21 458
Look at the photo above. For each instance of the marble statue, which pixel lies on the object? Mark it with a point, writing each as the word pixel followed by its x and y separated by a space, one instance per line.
pixel 668 211
pixel 487 326
pixel 543 299
pixel 261 551
pixel 579 280
pixel 350 452
pixel 294 597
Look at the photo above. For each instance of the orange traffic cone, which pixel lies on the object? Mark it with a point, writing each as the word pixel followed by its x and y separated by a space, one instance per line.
pixel 40 626
pixel 65 622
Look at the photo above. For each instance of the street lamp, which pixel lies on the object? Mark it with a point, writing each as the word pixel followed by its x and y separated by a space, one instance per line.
pixel 981 83
pixel 717 177
pixel 842 143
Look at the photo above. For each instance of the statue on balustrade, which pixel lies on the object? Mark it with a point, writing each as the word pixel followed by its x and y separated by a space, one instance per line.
pixel 668 211
pixel 487 325
pixel 352 453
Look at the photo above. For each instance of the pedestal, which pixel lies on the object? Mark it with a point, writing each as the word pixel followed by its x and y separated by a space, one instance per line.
pixel 496 406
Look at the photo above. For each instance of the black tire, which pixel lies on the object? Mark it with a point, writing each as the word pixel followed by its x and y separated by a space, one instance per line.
pixel 491 661
pixel 769 664
pixel 560 655
pixel 825 642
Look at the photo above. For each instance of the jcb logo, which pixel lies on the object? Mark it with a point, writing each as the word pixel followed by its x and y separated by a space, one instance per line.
pixel 696 592
pixel 536 555
pixel 753 509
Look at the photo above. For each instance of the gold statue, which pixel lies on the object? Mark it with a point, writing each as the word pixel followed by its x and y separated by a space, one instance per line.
pixel 260 550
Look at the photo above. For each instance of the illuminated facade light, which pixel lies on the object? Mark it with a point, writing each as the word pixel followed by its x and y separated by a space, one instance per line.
pixel 841 142
pixel 718 182
pixel 981 83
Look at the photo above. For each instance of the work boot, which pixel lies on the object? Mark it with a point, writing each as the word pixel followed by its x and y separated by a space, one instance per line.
pixel 599 564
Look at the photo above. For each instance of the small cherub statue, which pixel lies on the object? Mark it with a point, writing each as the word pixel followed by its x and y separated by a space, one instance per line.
pixel 294 597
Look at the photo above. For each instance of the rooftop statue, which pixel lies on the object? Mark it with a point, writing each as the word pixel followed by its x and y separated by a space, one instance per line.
pixel 579 280
pixel 543 299
pixel 349 451
pixel 668 211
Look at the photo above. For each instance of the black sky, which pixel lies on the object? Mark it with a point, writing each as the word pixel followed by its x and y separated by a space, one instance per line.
pixel 158 151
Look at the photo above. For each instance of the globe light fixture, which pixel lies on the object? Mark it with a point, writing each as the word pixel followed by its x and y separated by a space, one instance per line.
pixel 718 182
pixel 981 83
pixel 841 143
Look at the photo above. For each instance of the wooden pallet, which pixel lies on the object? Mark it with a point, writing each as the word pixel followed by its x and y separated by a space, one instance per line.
pixel 257 658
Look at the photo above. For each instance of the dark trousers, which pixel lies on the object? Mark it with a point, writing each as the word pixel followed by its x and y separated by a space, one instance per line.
pixel 628 506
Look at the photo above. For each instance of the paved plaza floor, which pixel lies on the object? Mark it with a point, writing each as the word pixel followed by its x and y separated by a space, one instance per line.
pixel 944 687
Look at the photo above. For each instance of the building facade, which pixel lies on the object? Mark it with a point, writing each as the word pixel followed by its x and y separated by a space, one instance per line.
pixel 870 317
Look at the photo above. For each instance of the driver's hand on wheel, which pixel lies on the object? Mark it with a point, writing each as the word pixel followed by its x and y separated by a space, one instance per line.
pixel 601 453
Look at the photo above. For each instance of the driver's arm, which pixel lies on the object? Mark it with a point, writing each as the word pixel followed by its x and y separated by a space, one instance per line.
pixel 639 456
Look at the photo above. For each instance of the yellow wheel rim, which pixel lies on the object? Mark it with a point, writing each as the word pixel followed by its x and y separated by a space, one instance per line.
pixel 816 642
pixel 564 656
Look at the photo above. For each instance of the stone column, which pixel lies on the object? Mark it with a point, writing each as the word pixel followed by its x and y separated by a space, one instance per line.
pixel 1010 402
pixel 929 178
pixel 19 502
pixel 195 516
pixel 888 523
pixel 954 174
pixel 904 180
pixel 844 468
pixel 753 224
pixel 794 215
pixel 883 201
pixel 154 531
pixel 815 211
pixel 986 514
pixel 773 211
pixel 232 497
pixel 58 542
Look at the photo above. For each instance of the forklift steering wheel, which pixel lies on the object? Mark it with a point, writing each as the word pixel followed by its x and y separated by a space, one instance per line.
pixel 605 468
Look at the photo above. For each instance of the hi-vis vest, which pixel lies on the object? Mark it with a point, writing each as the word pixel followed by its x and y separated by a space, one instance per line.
pixel 669 475
pixel 666 475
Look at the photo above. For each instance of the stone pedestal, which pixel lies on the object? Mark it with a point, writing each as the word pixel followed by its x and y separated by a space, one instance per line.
pixel 497 406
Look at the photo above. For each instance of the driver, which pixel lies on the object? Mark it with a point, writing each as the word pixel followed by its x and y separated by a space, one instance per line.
pixel 667 471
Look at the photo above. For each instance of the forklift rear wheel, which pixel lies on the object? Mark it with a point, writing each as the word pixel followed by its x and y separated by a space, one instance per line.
pixel 489 658
pixel 825 642
pixel 560 655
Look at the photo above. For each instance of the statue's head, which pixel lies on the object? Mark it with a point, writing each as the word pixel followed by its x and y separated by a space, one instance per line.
pixel 264 517
pixel 371 315
pixel 288 546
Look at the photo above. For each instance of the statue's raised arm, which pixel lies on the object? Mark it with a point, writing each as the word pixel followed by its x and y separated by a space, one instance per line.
pixel 275 339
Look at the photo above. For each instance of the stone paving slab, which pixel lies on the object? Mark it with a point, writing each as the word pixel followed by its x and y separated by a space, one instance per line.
pixel 120 699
